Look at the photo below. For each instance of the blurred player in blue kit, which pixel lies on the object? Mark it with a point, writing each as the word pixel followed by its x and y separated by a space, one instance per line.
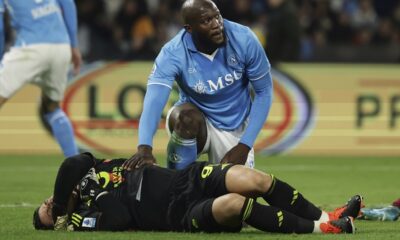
pixel 46 42
pixel 215 63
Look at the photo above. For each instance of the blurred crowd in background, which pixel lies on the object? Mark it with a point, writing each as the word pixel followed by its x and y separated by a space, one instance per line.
pixel 290 30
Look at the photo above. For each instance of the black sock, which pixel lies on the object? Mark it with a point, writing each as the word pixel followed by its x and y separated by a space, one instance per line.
pixel 272 219
pixel 283 196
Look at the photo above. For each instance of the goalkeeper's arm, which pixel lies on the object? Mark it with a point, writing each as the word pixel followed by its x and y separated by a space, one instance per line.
pixel 71 171
pixel 114 216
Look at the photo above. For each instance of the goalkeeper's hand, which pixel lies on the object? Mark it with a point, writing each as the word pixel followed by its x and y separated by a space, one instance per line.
pixel 89 188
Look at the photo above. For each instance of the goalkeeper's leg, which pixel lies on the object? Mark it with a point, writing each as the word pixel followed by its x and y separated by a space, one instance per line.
pixel 230 210
pixel 254 183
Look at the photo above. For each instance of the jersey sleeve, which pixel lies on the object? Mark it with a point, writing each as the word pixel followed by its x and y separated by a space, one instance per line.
pixel 258 72
pixel 105 214
pixel 257 64
pixel 69 174
pixel 159 85
pixel 165 69
pixel 70 18
pixel 2 28
pixel 84 219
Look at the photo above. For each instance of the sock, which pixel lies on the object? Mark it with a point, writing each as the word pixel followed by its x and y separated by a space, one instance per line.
pixel 283 196
pixel 272 219
pixel 324 217
pixel 181 152
pixel 62 131
pixel 317 227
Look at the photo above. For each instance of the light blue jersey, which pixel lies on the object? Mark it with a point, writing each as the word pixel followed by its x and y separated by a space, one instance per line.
pixel 41 21
pixel 220 87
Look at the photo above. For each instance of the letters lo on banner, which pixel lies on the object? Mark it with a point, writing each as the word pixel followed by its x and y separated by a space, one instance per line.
pixel 332 109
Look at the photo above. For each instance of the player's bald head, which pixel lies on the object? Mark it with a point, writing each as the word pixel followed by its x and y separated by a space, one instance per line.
pixel 192 9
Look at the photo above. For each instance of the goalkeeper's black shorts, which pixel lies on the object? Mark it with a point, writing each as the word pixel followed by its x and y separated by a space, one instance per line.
pixel 195 189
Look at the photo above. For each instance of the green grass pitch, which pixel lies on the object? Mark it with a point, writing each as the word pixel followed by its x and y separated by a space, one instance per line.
pixel 327 181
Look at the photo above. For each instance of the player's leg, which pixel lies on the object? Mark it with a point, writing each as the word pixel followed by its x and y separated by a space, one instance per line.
pixel 222 141
pixel 60 125
pixel 2 101
pixel 19 67
pixel 188 135
pixel 233 209
pixel 254 183
pixel 53 85
pixel 230 210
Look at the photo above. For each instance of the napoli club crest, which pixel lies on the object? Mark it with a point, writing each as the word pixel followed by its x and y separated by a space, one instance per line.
pixel 232 60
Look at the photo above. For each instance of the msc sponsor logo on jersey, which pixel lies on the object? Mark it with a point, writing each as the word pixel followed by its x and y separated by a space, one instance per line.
pixel 221 83
pixel 105 102
pixel 44 10
pixel 200 87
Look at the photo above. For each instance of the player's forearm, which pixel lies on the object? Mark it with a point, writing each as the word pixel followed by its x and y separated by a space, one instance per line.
pixel 70 19
pixel 154 102
pixel 69 174
pixel 2 35
pixel 260 109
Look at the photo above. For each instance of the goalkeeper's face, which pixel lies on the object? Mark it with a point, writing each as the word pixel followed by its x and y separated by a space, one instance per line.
pixel 45 212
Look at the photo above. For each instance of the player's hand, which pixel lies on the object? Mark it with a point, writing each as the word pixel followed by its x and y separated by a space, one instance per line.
pixel 89 187
pixel 76 59
pixel 143 156
pixel 237 155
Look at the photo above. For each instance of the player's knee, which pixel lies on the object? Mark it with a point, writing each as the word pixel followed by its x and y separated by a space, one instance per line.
pixel 49 106
pixel 262 182
pixel 188 122
pixel 230 205
pixel 256 182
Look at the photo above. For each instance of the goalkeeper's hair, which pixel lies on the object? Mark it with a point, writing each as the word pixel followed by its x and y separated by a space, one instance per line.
pixel 37 224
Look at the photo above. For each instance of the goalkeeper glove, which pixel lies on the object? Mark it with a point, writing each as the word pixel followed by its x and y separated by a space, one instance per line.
pixel 89 188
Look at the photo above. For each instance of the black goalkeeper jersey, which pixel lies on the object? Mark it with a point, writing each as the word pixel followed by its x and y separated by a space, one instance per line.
pixel 145 193
pixel 148 198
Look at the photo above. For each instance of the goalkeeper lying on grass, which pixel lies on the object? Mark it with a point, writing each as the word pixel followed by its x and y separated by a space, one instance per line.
pixel 94 194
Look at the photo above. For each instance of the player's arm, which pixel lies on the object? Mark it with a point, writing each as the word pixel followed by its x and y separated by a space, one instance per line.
pixel 258 71
pixel 2 29
pixel 71 171
pixel 159 87
pixel 111 215
pixel 71 22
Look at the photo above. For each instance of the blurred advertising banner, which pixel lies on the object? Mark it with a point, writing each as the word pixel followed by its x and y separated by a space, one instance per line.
pixel 318 109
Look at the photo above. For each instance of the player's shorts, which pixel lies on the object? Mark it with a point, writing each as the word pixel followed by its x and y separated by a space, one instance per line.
pixel 200 218
pixel 195 189
pixel 45 65
pixel 219 142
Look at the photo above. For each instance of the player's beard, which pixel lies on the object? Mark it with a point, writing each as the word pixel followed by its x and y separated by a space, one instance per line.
pixel 207 42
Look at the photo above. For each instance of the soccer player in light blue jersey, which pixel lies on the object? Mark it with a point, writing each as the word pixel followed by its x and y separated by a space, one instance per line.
pixel 215 63
pixel 46 42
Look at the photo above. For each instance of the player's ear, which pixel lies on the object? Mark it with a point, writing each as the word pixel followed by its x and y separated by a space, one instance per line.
pixel 188 28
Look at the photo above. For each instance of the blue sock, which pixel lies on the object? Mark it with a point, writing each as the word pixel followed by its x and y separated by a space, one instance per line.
pixel 181 152
pixel 62 131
